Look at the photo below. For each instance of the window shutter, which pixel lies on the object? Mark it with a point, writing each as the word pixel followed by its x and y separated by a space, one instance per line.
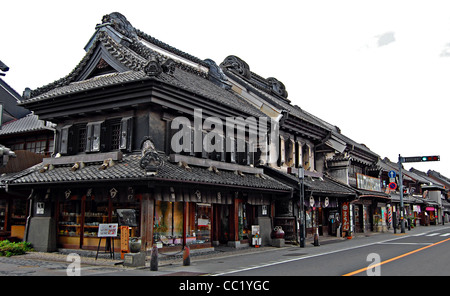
pixel 251 153
pixel 221 154
pixel 64 139
pixel 282 152
pixel 93 130
pixel 126 133
pixel 192 153
pixel 232 149
pixel 204 153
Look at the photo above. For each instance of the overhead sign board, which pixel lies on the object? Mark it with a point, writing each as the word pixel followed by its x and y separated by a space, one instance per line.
pixel 368 183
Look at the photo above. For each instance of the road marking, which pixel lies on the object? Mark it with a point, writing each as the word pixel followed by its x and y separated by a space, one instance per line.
pixel 405 243
pixel 432 234
pixel 395 258
pixel 296 259
pixel 445 234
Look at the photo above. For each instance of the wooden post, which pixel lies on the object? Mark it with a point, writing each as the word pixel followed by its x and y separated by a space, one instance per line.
pixel 82 215
pixel 185 220
pixel 215 222
pixel 234 220
pixel 147 209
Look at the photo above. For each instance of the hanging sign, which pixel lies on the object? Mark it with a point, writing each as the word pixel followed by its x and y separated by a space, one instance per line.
pixel 345 216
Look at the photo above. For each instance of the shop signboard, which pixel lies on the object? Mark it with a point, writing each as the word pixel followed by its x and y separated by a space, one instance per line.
pixel 345 216
pixel 108 230
pixel 368 183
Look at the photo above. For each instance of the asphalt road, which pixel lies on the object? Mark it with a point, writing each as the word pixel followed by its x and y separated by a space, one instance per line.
pixel 418 254
pixel 422 251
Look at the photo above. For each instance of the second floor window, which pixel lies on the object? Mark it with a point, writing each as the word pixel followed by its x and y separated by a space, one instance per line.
pixel 99 136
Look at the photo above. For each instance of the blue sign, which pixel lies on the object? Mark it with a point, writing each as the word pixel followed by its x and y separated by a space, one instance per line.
pixel 392 174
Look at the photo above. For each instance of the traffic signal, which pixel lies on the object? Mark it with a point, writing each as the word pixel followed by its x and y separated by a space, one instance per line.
pixel 420 158
pixel 430 158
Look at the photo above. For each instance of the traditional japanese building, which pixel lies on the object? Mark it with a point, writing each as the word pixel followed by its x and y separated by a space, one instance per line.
pixel 116 114
pixel 304 141
pixel 24 141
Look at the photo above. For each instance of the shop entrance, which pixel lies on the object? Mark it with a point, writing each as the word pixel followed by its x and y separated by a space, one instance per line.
pixel 224 223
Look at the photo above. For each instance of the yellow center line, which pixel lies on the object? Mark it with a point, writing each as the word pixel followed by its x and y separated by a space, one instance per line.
pixel 395 258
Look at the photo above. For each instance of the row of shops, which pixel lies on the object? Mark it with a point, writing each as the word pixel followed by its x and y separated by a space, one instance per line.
pixel 201 219
pixel 114 172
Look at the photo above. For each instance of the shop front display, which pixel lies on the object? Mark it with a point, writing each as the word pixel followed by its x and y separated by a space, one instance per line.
pixel 79 218
pixel 12 218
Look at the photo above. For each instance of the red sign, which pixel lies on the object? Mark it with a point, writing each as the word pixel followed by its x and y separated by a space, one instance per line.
pixel 392 185
pixel 345 216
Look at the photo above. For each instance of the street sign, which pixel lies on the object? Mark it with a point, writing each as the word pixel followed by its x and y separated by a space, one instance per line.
pixel 391 174
pixel 421 158
pixel 392 185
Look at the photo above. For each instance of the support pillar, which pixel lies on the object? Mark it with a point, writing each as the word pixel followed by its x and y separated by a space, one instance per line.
pixel 147 210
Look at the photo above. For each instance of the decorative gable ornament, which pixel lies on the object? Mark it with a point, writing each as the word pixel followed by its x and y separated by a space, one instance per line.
pixel 216 75
pixel 120 23
pixel 277 87
pixel 169 66
pixel 153 68
pixel 237 66
pixel 150 159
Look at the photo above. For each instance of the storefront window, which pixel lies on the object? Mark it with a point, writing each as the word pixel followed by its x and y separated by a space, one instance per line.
pixel 203 223
pixel 96 213
pixel 69 223
pixel 18 215
pixel 168 224
pixel 128 203
pixel 245 216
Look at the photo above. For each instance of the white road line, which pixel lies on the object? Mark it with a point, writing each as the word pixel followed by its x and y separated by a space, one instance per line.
pixel 387 243
pixel 445 234
pixel 312 256
pixel 432 234
pixel 300 258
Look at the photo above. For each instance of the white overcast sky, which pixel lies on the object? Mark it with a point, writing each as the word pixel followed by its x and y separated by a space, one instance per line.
pixel 379 70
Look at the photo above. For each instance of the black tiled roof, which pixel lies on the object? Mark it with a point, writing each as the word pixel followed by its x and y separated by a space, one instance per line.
pixel 25 124
pixel 135 57
pixel 322 184
pixel 129 169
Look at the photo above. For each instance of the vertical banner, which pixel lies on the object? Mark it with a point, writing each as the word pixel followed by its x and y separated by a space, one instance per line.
pixel 345 216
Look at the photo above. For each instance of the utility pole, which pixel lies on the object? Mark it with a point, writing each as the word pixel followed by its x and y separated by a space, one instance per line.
pixel 400 187
pixel 301 209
